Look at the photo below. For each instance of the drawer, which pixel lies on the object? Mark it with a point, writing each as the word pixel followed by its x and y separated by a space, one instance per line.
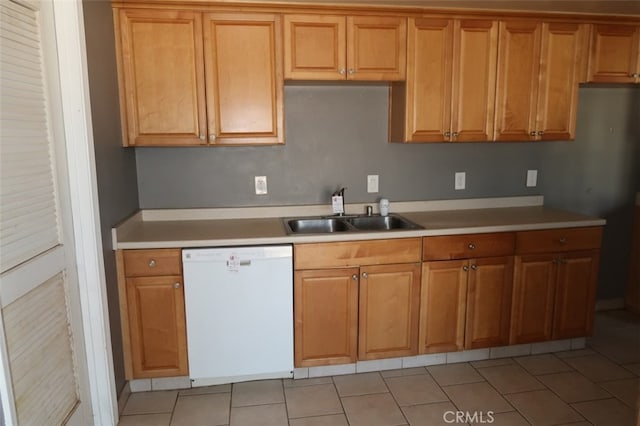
pixel 145 263
pixel 468 246
pixel 356 253
pixel 558 240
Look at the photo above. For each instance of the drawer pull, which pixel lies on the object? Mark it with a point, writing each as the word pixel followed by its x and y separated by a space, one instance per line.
pixel 472 246
pixel 176 285
pixel 152 263
pixel 465 268
pixel 474 267
pixel 563 240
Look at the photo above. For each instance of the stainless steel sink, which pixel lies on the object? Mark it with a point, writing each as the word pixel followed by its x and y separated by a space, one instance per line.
pixel 325 225
pixel 318 225
pixel 381 223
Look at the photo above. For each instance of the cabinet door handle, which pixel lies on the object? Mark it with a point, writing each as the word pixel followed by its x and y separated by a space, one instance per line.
pixel 354 277
pixel 447 134
pixel 471 246
pixel 365 275
pixel 352 71
pixel 454 134
pixel 474 267
pixel 635 75
pixel 465 268
pixel 540 133
pixel 555 261
pixel 341 71
pixel 152 263
pixel 532 133
pixel 176 285
pixel 563 240
pixel 563 261
pixel 212 138
pixel 202 138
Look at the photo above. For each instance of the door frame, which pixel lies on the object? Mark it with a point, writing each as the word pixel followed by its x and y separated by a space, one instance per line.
pixel 85 213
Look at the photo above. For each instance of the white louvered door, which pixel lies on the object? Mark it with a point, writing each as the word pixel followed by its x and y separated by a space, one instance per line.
pixel 44 375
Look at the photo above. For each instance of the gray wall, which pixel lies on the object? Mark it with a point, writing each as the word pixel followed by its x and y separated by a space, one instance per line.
pixel 115 166
pixel 337 134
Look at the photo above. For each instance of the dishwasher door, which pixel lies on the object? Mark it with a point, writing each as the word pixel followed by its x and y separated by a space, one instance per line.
pixel 239 311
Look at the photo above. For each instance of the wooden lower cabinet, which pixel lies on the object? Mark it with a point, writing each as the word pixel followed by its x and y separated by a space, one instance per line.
pixel 489 302
pixel 553 296
pixel 389 311
pixel 443 304
pixel 465 304
pixel 157 326
pixel 632 292
pixel 326 316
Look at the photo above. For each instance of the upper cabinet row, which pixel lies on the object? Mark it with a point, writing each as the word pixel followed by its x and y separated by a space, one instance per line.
pixel 214 78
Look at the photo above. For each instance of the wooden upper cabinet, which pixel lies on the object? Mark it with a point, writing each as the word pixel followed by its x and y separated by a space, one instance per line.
pixel 450 88
pixel 187 78
pixel 326 47
pixel 161 77
pixel 539 68
pixel 614 54
pixel 244 78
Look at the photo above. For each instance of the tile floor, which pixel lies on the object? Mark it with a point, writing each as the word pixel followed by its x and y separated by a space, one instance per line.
pixel 598 385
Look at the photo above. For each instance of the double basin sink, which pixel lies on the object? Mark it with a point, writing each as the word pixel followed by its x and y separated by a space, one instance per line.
pixel 331 224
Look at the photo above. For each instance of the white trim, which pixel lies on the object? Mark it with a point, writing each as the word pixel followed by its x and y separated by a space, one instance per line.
pixel 9 413
pixel 22 279
pixel 84 201
pixel 325 209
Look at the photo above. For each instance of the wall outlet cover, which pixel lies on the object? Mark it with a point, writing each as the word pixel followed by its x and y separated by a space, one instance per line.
pixel 461 180
pixel 372 183
pixel 532 178
pixel 261 185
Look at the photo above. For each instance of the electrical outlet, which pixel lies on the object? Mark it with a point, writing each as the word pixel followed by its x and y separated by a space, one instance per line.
pixel 261 185
pixel 532 178
pixel 461 180
pixel 372 183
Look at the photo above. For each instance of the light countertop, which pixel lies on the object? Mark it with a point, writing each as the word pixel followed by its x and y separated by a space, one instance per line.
pixel 179 228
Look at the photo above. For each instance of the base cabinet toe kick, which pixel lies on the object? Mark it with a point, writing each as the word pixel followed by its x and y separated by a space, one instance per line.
pixel 389 303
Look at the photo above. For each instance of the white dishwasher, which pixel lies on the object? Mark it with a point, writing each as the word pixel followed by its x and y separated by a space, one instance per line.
pixel 239 310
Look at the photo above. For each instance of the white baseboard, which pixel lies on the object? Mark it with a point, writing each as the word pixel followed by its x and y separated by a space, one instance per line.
pixel 610 304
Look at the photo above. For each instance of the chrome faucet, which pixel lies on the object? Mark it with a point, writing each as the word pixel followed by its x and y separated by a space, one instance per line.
pixel 340 192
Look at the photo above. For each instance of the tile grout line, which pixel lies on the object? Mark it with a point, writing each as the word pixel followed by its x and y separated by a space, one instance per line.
pixel 386 385
pixel 335 388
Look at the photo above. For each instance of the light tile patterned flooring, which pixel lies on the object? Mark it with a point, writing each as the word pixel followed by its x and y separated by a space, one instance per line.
pixel 598 385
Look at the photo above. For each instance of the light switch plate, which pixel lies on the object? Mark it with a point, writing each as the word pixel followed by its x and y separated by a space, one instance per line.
pixel 532 178
pixel 461 180
pixel 261 185
pixel 372 183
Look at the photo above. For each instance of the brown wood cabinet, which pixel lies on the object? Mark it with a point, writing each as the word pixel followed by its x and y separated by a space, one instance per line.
pixel 353 300
pixel 389 311
pixel 326 47
pixel 614 54
pixel 188 78
pixel 154 328
pixel 326 316
pixel 449 94
pixel 466 302
pixel 539 68
pixel 554 293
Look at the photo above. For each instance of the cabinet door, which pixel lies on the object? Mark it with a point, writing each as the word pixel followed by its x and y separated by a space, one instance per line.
pixel 161 77
pixel 615 55
pixel 575 294
pixel 443 306
pixel 389 311
pixel 243 55
pixel 376 48
pixel 157 326
pixel 315 47
pixel 326 316
pixel 474 80
pixel 489 302
pixel 533 298
pixel 517 81
pixel 428 87
pixel 560 60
